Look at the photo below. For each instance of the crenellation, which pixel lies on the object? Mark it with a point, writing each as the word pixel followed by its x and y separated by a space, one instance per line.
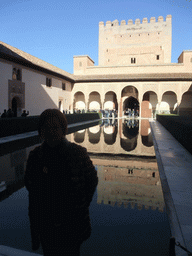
pixel 137 21
pixel 123 22
pixel 169 18
pixel 130 22
pixel 152 20
pixel 145 20
pixel 115 23
pixel 108 23
pixel 160 19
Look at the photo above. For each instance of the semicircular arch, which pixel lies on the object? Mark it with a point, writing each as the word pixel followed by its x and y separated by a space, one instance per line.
pixel 94 101
pixel 110 101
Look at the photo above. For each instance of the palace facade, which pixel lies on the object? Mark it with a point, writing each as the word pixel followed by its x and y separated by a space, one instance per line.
pixel 134 71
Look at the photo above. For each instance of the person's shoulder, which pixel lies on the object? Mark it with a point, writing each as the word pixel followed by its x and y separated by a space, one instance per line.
pixel 76 150
pixel 35 152
pixel 77 147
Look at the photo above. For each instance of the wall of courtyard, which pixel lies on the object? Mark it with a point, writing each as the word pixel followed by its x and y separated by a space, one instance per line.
pixel 6 70
pixel 172 68
pixel 39 96
pixel 31 92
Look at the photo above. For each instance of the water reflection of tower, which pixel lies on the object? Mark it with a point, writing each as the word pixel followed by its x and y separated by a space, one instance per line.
pixel 119 186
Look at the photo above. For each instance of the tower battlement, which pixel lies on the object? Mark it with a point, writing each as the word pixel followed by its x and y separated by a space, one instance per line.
pixel 140 43
pixel 137 21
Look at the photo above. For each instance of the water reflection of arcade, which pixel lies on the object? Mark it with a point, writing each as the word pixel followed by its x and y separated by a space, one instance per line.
pixel 117 136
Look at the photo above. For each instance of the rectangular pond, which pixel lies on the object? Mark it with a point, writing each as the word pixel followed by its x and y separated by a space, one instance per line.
pixel 127 212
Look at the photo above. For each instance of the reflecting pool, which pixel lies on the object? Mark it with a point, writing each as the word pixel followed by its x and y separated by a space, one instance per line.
pixel 127 211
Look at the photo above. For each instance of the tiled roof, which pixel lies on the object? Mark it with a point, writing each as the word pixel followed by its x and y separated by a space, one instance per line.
pixel 23 57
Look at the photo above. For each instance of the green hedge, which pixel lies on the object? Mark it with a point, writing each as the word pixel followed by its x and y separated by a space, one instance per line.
pixel 17 125
pixel 180 127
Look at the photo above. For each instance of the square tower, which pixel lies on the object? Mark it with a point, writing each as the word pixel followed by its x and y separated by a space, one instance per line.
pixel 135 44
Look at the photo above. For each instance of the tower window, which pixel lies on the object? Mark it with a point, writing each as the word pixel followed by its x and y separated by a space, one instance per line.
pixel 157 57
pixel 48 82
pixel 130 171
pixel 16 74
pixel 63 86
pixel 133 60
pixel 80 64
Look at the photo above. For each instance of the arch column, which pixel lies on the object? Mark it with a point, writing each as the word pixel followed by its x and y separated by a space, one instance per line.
pixel 179 97
pixel 86 102
pixel 158 107
pixel 140 98
pixel 119 102
pixel 102 100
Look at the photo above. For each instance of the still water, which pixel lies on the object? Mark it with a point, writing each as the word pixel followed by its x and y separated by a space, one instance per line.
pixel 127 211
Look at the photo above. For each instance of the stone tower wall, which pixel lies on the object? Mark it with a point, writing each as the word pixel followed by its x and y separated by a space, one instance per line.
pixel 141 43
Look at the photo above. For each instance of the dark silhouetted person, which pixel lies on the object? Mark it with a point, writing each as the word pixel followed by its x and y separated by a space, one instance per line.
pixel 61 181
pixel 4 115
pixel 24 114
pixel 10 113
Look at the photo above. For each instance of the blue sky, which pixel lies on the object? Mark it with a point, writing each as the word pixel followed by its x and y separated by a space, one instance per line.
pixel 55 31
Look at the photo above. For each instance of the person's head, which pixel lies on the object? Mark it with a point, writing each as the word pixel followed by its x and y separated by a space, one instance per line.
pixel 52 126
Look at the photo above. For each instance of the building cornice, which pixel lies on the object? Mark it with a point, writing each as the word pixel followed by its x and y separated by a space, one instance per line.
pixel 134 77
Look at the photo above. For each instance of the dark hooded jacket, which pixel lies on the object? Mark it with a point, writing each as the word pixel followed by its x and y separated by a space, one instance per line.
pixel 61 182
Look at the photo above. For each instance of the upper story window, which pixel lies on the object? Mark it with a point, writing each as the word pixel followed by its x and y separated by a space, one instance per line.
pixel 80 64
pixel 48 82
pixel 157 57
pixel 63 86
pixel 133 60
pixel 16 75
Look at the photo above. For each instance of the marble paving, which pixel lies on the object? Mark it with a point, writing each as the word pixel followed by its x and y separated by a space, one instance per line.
pixel 175 168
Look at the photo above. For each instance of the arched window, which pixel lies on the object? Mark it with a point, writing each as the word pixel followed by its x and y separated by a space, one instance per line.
pixel 18 74
pixel 14 73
